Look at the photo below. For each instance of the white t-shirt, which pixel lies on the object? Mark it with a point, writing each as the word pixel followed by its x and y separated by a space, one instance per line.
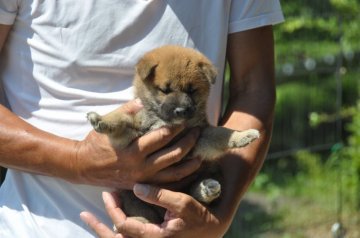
pixel 66 58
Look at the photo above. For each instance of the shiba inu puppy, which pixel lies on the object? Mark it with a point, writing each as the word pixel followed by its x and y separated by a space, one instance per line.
pixel 173 84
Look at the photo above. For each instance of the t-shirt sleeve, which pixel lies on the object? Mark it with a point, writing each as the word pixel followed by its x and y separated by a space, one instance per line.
pixel 249 14
pixel 8 11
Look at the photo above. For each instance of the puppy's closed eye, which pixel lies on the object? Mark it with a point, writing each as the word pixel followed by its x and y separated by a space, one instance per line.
pixel 164 90
pixel 190 89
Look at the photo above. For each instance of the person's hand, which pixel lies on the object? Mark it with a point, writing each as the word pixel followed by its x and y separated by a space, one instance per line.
pixel 145 159
pixel 185 217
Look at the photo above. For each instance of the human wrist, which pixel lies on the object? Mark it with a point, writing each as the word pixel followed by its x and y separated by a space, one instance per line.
pixel 61 159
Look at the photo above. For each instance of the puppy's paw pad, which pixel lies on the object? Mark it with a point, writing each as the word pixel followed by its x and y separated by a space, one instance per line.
pixel 210 190
pixel 243 138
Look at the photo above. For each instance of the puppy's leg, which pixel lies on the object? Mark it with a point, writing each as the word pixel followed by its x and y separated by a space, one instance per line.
pixel 207 186
pixel 206 190
pixel 117 125
pixel 107 124
pixel 240 139
pixel 215 141
pixel 140 210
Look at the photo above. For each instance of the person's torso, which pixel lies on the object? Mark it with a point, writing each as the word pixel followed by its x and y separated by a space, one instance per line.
pixel 66 58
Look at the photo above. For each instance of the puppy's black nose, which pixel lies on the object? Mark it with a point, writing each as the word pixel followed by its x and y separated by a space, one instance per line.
pixel 182 112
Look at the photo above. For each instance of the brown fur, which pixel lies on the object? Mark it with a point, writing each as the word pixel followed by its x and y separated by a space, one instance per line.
pixel 173 83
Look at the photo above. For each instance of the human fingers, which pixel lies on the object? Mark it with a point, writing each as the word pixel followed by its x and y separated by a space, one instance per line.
pixel 136 229
pixel 117 216
pixel 170 155
pixel 177 203
pixel 176 173
pixel 112 207
pixel 126 226
pixel 155 140
pixel 98 227
pixel 132 228
pixel 131 107
pixel 184 214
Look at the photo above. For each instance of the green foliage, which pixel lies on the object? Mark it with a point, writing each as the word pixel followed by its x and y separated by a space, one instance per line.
pixel 333 24
pixel 302 189
pixel 316 118
pixel 346 159
pixel 313 97
pixel 352 154
pixel 316 30
pixel 354 128
pixel 263 183
pixel 320 185
pixel 327 34
pixel 351 7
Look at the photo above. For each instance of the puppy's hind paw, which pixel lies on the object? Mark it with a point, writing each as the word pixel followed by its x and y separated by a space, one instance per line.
pixel 210 190
pixel 243 138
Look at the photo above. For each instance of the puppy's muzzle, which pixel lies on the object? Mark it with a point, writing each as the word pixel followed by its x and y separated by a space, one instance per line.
pixel 183 112
pixel 177 107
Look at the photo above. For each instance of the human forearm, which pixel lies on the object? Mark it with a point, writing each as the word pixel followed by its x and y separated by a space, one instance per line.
pixel 252 109
pixel 29 149
pixel 94 160
pixel 251 105
pixel 4 31
pixel 241 166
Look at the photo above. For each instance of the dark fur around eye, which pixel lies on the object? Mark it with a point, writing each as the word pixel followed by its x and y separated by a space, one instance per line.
pixel 190 90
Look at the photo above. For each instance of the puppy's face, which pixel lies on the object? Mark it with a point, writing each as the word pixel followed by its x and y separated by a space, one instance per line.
pixel 174 83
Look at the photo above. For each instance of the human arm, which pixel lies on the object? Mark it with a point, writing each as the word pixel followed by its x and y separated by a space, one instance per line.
pixel 92 160
pixel 251 105
pixel 252 98
pixel 4 32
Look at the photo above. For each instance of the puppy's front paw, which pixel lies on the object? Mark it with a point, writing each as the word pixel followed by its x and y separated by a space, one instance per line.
pixel 210 190
pixel 93 118
pixel 243 138
pixel 97 123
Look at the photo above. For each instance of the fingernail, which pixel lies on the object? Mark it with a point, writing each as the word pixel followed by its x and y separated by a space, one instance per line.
pixel 138 102
pixel 84 216
pixel 106 197
pixel 165 131
pixel 141 190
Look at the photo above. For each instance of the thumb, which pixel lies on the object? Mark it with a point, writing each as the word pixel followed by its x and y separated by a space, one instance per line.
pixel 172 201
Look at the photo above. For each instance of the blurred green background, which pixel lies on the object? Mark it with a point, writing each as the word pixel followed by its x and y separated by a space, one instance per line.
pixel 310 183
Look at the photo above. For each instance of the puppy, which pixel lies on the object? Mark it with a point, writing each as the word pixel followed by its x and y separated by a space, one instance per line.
pixel 173 84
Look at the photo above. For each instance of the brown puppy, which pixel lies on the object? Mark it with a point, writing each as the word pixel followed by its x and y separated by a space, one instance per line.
pixel 173 84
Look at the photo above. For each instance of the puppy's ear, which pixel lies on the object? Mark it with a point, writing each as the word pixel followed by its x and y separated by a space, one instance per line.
pixel 209 71
pixel 145 68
